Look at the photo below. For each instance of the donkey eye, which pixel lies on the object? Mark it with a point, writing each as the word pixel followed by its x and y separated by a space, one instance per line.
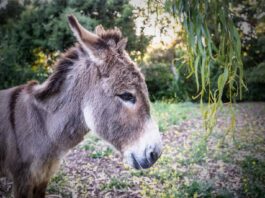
pixel 127 97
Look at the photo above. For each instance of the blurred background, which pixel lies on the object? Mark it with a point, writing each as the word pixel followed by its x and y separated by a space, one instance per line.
pixel 172 41
pixel 33 33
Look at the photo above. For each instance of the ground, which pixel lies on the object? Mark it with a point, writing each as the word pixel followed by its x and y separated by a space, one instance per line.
pixel 231 165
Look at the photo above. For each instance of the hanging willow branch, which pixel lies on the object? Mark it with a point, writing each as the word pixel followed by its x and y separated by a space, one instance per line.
pixel 212 41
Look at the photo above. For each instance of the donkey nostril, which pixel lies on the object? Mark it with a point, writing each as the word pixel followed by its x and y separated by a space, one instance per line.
pixel 152 156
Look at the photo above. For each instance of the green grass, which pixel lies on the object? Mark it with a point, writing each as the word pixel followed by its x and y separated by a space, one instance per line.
pixel 95 147
pixel 58 184
pixel 197 189
pixel 253 177
pixel 116 183
pixel 101 153
pixel 168 114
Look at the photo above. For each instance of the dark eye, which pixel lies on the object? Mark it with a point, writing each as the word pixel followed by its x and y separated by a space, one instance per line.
pixel 127 97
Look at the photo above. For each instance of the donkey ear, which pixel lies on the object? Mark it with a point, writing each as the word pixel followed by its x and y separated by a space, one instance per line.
pixel 87 39
pixel 121 45
pixel 100 30
pixel 81 33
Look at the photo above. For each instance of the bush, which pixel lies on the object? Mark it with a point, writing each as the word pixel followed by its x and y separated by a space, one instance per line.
pixel 255 83
pixel 163 86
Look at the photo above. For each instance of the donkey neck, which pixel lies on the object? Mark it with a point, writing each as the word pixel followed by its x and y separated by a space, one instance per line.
pixel 61 97
pixel 64 86
pixel 66 127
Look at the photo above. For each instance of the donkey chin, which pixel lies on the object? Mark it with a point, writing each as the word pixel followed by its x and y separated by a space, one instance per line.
pixel 146 151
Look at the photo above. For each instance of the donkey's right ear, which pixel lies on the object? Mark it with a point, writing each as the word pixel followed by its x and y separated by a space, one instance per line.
pixel 87 39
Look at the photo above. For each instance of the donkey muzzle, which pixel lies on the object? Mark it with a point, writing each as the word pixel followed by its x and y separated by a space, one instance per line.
pixel 150 156
pixel 146 150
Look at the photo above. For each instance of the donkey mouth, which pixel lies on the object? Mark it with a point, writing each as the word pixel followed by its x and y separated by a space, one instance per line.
pixel 140 164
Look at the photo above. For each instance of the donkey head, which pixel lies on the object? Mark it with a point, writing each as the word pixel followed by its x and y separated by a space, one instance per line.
pixel 115 104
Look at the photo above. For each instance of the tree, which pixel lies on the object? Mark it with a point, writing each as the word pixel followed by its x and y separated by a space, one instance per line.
pixel 213 48
pixel 250 19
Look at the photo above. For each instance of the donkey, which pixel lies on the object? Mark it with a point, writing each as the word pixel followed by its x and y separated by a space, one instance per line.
pixel 95 87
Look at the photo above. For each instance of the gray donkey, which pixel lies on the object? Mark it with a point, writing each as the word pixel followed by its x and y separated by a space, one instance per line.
pixel 95 87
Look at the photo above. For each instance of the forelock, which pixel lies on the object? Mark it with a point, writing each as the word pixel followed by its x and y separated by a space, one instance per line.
pixel 111 34
pixel 112 37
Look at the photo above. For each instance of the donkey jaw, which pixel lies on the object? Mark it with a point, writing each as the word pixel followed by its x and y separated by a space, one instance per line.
pixel 142 153
pixel 146 151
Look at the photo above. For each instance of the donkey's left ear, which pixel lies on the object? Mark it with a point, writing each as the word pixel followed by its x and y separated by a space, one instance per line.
pixel 87 39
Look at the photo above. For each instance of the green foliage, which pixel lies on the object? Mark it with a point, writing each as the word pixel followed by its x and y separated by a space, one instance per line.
pixel 249 13
pixel 207 47
pixel 253 42
pixel 254 62
pixel 161 84
pixel 164 84
pixel 253 177
pixel 11 10
pixel 212 31
pixel 256 83
pixel 42 26
pixel 256 75
pixel 211 39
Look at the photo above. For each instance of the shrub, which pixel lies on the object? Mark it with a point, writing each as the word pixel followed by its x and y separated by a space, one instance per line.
pixel 162 84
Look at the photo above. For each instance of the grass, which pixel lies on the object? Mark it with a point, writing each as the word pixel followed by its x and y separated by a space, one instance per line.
pixel 253 177
pixel 95 147
pixel 169 114
pixel 58 184
pixel 103 153
pixel 116 183
pixel 189 166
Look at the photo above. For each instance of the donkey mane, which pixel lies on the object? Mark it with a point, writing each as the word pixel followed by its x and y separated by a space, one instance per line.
pixel 66 61
pixel 61 69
